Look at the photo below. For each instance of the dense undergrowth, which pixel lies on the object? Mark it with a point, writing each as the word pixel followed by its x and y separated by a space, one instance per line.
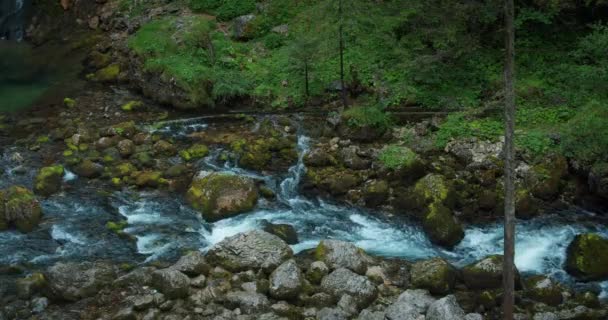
pixel 439 54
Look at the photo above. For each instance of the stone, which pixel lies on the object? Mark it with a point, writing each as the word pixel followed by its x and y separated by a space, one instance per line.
pixel 485 273
pixel 126 148
pixel 139 276
pixel 88 169
pixel 343 281
pixel 435 275
pixel 48 181
pixel 442 227
pixel 250 250
pixel 39 304
pixel 587 257
pixel 332 314
pixel 30 285
pixel 348 305
pixel 317 271
pixel 286 281
pixel 543 289
pixel 446 308
pixel 198 282
pixel 473 316
pixel 284 231
pixel 545 316
pixel 172 283
pixel 219 195
pixel 125 314
pixel 72 281
pixel 192 264
pixel 144 302
pixel 371 315
pixel 248 302
pixel 341 254
pixel 410 305
pixel 165 148
pixel 19 207
pixel 242 28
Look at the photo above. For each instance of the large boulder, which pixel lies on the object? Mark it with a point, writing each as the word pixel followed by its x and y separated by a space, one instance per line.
pixel 432 188
pixel 485 273
pixel 442 227
pixel 250 250
pixel 192 264
pixel 48 180
pixel 410 305
pixel 286 281
pixel 74 281
pixel 545 179
pixel 341 254
pixel 172 283
pixel 446 308
pixel 19 207
pixel 343 281
pixel 219 195
pixel 587 257
pixel 435 275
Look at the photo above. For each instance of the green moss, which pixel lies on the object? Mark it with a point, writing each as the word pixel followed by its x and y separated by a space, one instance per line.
pixel 320 252
pixel 132 106
pixel 48 180
pixel 442 227
pixel 196 151
pixel 19 208
pixel 117 227
pixel 108 74
pixel 151 179
pixel 396 157
pixel 43 139
pixel 435 275
pixel 587 257
pixel 69 103
pixel 124 169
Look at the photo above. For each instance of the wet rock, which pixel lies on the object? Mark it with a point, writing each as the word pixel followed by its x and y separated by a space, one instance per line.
pixel 317 271
pixel 171 283
pixel 149 179
pixel 107 74
pixel 19 207
pixel 284 231
pixel 432 188
pixel 48 180
pixel 442 227
pixel 587 257
pixel 251 250
pixel 39 304
pixel 139 276
pixel 30 285
pixel 196 151
pixel 343 281
pixel 546 178
pixel 543 289
pixel 286 281
pixel 74 281
pixel 88 169
pixel 485 273
pixel 218 196
pixel 435 275
pixel 192 264
pixel 375 192
pixel 341 254
pixel 248 302
pixel 446 308
pixel 410 305
pixel 165 148
pixel 126 148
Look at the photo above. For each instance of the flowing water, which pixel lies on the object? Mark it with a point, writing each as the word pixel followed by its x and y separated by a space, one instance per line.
pixel 163 225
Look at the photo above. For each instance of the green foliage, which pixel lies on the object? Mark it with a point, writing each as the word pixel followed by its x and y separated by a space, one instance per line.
pixel 593 47
pixel 460 125
pixel 223 9
pixel 395 157
pixel 585 136
pixel 372 116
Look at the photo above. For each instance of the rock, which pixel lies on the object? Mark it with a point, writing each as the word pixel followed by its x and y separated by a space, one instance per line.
pixel 125 314
pixel 319 158
pixel 139 276
pixel 19 207
pixel 107 74
pixel 371 315
pixel 284 231
pixel 196 151
pixel 598 180
pixel 126 148
pixel 587 257
pixel 151 179
pixel 74 281
pixel 348 305
pixel 172 283
pixel 485 273
pixel 473 316
pixel 39 304
pixel 376 274
pixel 543 289
pixel 88 169
pixel 48 180
pixel 332 314
pixel 218 195
pixel 473 151
pixel 164 148
pixel 341 254
pixel 547 177
pixel 29 286
pixel 286 281
pixel 192 264
pixel 442 227
pixel 317 271
pixel 133 105
pixel 545 316
pixel 198 282
pixel 242 28
pixel 248 302
pixel 409 305
pixel 251 250
pixel 446 308
pixel 435 275
pixel 144 302
pixel 343 281
pixel 282 29
pixel 432 188
pixel 352 160
pixel 375 192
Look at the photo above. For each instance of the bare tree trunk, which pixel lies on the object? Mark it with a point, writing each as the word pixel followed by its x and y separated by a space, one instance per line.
pixel 509 152
pixel 344 101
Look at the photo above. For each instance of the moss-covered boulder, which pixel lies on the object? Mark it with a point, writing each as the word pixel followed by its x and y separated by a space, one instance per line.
pixel 336 181
pixel 19 208
pixel 442 227
pixel 485 273
pixel 375 192
pixel 88 169
pixel 150 179
pixel 219 195
pixel 587 257
pixel 48 180
pixel 432 188
pixel 196 151
pixel 126 148
pixel 165 148
pixel 284 231
pixel 543 289
pixel 435 275
pixel 124 169
pixel 547 178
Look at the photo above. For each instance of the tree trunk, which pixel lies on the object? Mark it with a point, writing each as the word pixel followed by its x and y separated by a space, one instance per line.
pixel 509 152
pixel 342 84
pixel 306 78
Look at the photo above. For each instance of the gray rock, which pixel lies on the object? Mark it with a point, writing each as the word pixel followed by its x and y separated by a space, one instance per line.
pixel 151 314
pixel 143 302
pixel 435 275
pixel 74 281
pixel 248 302
pixel 317 271
pixel 125 314
pixel 282 29
pixel 348 305
pixel 39 304
pixel 139 276
pixel 371 315
pixel 446 308
pixel 341 254
pixel 172 283
pixel 485 273
pixel 251 250
pixel 410 305
pixel 241 25
pixel 332 314
pixel 473 316
pixel 352 160
pixel 198 282
pixel 343 281
pixel 286 281
pixel 545 316
pixel 192 264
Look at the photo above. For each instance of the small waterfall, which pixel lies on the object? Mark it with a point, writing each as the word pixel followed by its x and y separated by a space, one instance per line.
pixel 12 19
pixel 289 186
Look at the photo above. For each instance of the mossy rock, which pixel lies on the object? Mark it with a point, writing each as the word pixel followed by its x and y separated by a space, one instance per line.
pixel 150 179
pixel 30 285
pixel 143 159
pixel 88 169
pixel 587 257
pixel 442 227
pixel 267 193
pixel 117 227
pixel 376 192
pixel 123 170
pixel 257 154
pixel 132 106
pixel 432 188
pixel 48 180
pixel 196 151
pixel 284 231
pixel 107 74
pixel 176 171
pixel 486 273
pixel 124 129
pixel 543 289
pixel 69 103
pixel 218 196
pixel 19 207
pixel 435 275
pixel 547 184
pixel 164 148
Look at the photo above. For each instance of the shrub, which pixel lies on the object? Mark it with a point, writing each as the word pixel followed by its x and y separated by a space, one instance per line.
pixel 395 157
pixel 368 117
pixel 585 137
